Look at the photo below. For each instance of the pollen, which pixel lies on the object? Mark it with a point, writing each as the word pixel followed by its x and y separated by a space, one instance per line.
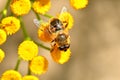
pixel 27 50
pixel 44 33
pixel 10 24
pixel 59 56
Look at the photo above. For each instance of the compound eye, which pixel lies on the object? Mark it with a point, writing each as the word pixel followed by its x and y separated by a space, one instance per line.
pixel 56 25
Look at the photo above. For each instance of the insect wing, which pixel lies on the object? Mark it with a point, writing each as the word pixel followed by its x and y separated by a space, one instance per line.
pixel 64 9
pixel 37 22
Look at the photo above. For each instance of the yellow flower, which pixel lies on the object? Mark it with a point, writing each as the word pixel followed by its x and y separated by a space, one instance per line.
pixel 10 25
pixel 2 55
pixel 41 6
pixel 44 34
pixel 79 4
pixel 3 36
pixel 67 20
pixel 60 56
pixel 30 77
pixel 20 7
pixel 27 50
pixel 11 75
pixel 39 65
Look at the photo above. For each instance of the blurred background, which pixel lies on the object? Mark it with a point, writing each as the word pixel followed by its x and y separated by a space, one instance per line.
pixel 95 43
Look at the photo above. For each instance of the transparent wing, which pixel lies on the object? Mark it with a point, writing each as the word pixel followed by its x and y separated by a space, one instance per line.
pixel 37 22
pixel 64 9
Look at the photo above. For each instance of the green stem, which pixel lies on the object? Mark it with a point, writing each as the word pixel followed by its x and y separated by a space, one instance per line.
pixel 37 15
pixel 4 11
pixel 23 29
pixel 1 12
pixel 11 14
pixel 17 64
pixel 41 45
pixel 47 15
pixel 7 4
pixel 32 0
pixel 29 71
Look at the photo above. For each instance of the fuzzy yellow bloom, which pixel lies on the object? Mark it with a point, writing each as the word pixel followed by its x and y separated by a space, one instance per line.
pixel 60 56
pixel 30 77
pixel 44 34
pixel 79 4
pixel 3 36
pixel 39 65
pixel 67 20
pixel 20 7
pixel 11 75
pixel 41 6
pixel 2 55
pixel 10 25
pixel 27 50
